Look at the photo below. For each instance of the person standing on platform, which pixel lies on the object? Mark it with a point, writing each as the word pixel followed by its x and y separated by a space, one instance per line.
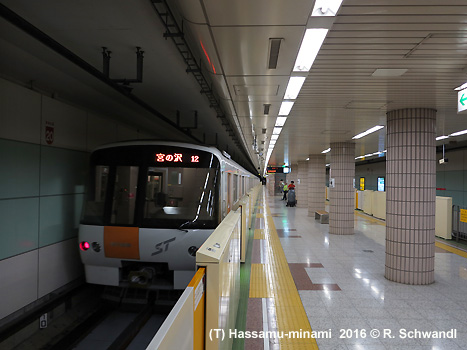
pixel 285 189
pixel 281 186
pixel 291 186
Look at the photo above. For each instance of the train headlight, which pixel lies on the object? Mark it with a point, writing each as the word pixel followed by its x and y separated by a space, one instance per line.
pixel 84 246
pixel 192 250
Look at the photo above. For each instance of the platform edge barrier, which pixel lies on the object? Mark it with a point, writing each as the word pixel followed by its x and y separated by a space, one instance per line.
pixel 220 255
pixel 184 326
pixel 374 203
pixel 244 205
pixel 253 196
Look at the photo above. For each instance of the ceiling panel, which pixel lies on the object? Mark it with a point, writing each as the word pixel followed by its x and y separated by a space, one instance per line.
pixel 258 12
pixel 244 50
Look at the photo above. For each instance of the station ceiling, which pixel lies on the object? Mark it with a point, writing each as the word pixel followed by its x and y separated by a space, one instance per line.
pixel 378 55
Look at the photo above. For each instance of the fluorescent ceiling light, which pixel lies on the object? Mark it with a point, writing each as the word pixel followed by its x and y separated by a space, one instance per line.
pixel 286 107
pixel 442 137
pixel 462 87
pixel 391 72
pixel 458 133
pixel 274 137
pixel 326 8
pixel 276 131
pixel 311 44
pixel 326 150
pixel 293 88
pixel 280 121
pixel 369 131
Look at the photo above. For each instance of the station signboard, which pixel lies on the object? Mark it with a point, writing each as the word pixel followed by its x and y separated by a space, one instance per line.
pixel 462 101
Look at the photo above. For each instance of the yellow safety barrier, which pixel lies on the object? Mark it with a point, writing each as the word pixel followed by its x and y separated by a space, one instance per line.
pixel 210 301
pixel 184 326
pixel 220 255
pixel 253 196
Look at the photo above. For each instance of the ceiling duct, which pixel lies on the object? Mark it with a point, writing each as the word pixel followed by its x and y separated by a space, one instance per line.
pixel 264 130
pixel 274 47
pixel 266 108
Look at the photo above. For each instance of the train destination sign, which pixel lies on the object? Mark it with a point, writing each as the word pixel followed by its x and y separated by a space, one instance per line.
pixel 175 158
pixel 461 100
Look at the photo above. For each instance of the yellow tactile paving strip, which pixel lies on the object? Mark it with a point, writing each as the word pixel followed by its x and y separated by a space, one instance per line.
pixel 437 244
pixel 369 218
pixel 451 249
pixel 274 280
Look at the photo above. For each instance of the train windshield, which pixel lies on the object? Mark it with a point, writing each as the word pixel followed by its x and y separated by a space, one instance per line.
pixel 180 197
pixel 142 189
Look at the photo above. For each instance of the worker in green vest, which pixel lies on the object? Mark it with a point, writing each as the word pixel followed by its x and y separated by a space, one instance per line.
pixel 285 189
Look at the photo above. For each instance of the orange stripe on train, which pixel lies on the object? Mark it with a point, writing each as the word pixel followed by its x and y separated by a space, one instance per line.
pixel 121 242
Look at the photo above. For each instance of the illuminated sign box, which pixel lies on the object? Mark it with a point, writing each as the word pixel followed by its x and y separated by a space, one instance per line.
pixel 381 184
pixel 275 169
pixel 362 184
pixel 174 158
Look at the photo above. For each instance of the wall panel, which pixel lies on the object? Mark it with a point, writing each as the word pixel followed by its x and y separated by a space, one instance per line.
pixel 19 175
pixel 63 171
pixel 53 275
pixel 69 124
pixel 59 218
pixel 19 282
pixel 20 110
pixel 20 226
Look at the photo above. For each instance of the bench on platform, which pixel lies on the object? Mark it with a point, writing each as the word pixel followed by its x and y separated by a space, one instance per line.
pixel 322 216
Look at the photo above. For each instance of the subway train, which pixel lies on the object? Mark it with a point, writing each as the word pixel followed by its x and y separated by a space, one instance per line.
pixel 149 206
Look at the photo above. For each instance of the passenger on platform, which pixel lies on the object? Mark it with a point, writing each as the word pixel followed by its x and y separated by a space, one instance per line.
pixel 281 185
pixel 285 189
pixel 291 186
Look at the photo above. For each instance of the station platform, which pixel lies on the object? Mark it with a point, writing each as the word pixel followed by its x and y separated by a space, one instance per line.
pixel 298 278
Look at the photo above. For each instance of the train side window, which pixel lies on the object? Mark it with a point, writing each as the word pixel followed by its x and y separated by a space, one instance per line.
pixel 124 196
pixel 229 191
pixel 243 185
pixel 235 188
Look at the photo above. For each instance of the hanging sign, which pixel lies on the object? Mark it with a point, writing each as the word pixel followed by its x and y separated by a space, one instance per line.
pixel 461 100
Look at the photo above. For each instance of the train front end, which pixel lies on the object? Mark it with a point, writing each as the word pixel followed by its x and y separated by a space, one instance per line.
pixel 149 208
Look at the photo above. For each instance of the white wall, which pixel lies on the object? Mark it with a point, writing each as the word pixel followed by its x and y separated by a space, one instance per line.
pixel 45 182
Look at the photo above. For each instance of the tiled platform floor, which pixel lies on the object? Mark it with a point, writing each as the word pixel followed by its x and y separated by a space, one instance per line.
pixel 354 295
